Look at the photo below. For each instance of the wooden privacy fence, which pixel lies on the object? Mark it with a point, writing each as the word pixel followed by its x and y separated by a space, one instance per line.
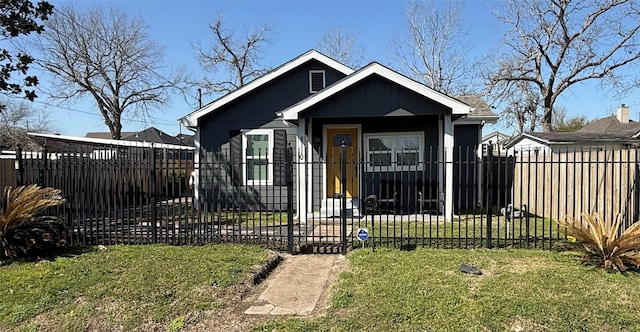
pixel 570 182
pixel 7 171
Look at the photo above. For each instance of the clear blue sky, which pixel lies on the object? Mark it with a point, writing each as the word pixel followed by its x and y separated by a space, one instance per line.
pixel 298 27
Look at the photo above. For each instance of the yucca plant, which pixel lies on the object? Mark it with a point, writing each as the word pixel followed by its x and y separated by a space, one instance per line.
pixel 23 230
pixel 599 243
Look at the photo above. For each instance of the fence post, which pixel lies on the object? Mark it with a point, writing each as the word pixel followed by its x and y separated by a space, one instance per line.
pixel 42 170
pixel 343 198
pixel 153 195
pixel 289 180
pixel 489 193
pixel 19 167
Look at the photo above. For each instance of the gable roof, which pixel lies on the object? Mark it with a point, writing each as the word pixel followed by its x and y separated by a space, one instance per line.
pixel 191 120
pixel 611 124
pixel 374 68
pixel 500 136
pixel 152 135
pixel 188 140
pixel 480 107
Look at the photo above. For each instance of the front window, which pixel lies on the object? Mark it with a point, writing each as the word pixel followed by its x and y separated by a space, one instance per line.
pixel 394 151
pixel 258 149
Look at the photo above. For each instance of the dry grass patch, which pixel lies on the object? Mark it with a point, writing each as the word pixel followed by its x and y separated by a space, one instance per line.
pixel 526 265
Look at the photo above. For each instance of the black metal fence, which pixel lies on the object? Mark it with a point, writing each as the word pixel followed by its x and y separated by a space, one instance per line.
pixel 139 195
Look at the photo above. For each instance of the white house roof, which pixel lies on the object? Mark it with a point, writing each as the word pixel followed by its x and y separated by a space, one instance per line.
pixel 102 141
pixel 191 120
pixel 569 138
pixel 374 68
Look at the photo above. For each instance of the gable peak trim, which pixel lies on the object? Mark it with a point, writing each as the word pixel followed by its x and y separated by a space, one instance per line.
pixel 191 120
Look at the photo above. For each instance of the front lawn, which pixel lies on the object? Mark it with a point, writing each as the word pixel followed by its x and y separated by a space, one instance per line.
pixel 151 287
pixel 520 290
pixel 164 288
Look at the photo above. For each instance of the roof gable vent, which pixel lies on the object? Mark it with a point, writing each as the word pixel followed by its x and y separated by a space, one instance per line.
pixel 316 80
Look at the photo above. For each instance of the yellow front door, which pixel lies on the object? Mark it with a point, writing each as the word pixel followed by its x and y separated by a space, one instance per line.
pixel 335 138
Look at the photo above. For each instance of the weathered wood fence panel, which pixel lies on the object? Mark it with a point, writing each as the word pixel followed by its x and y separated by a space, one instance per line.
pixel 569 183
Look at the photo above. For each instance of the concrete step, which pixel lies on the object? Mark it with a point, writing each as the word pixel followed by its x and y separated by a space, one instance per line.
pixel 331 207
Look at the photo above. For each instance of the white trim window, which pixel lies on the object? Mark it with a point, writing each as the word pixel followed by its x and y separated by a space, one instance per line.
pixel 394 151
pixel 317 80
pixel 257 147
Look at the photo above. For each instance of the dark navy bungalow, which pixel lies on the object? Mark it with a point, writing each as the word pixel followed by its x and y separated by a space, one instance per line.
pixel 399 135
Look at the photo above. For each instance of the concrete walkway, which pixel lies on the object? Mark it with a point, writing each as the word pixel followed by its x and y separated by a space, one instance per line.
pixel 295 286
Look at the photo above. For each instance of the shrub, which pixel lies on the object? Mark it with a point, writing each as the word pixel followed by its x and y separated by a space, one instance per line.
pixel 23 230
pixel 599 243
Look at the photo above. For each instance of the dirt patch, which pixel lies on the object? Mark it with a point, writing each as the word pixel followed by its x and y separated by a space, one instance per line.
pixel 520 324
pixel 526 265
pixel 475 280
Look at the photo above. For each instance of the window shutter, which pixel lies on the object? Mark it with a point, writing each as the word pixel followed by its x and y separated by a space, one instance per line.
pixel 236 160
pixel 279 157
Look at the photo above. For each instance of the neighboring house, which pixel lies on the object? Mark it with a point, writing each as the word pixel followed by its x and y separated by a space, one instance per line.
pixel 152 135
pixel 497 140
pixel 388 123
pixel 616 131
pixel 149 135
pixel 106 134
pixel 546 159
pixel 100 147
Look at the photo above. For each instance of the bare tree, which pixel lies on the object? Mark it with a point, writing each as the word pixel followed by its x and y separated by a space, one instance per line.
pixel 558 43
pixel 105 54
pixel 237 57
pixel 18 118
pixel 522 105
pixel 436 52
pixel 340 44
pixel 565 123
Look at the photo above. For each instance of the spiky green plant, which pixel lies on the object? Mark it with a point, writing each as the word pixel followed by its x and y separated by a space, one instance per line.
pixel 23 230
pixel 599 243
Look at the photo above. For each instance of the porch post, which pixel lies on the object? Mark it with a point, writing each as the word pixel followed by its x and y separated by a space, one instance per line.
pixel 301 159
pixel 196 171
pixel 448 172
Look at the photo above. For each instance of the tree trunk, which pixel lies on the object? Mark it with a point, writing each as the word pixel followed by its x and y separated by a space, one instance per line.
pixel 546 118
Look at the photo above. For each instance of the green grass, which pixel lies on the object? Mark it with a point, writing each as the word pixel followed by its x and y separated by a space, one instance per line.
pixel 466 231
pixel 520 290
pixel 121 288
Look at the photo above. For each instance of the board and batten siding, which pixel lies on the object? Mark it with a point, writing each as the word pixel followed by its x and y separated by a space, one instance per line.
pixel 374 97
pixel 257 109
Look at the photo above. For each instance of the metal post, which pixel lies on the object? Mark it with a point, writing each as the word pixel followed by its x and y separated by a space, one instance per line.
pixel 153 195
pixel 19 167
pixel 343 191
pixel 289 179
pixel 489 193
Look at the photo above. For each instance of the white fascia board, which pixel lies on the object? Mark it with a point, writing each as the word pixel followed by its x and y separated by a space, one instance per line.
pixel 191 120
pixel 110 141
pixel 457 107
pixel 526 136
pixel 476 120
